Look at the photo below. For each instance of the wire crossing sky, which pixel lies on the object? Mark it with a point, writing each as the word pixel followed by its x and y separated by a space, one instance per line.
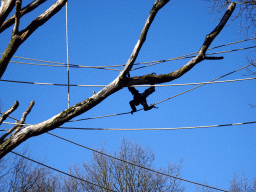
pixel 152 63
pixel 142 129
pixel 49 167
pixel 196 183
pixel 181 57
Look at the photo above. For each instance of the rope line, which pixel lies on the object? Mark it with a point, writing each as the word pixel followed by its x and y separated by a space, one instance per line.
pixel 152 62
pixel 67 52
pixel 60 171
pixel 204 84
pixel 231 50
pixel 106 67
pixel 157 129
pixel 167 85
pixel 13 124
pixel 185 56
pixel 64 65
pixel 135 164
pixel 58 63
pixel 143 129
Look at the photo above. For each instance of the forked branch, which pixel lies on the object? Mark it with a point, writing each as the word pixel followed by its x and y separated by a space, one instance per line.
pixel 24 116
pixel 30 7
pixel 16 128
pixel 9 111
pixel 18 38
pixel 149 79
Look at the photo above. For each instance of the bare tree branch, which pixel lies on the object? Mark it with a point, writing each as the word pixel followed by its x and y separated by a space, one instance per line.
pixel 24 116
pixel 149 79
pixel 30 7
pixel 17 17
pixel 156 7
pixel 41 19
pixel 9 111
pixel 17 127
pixel 5 9
pixel 18 39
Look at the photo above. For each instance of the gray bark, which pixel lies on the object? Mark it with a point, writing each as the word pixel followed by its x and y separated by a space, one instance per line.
pixel 30 7
pixel 5 9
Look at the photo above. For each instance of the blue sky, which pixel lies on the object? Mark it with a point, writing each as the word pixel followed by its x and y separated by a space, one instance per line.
pixel 105 33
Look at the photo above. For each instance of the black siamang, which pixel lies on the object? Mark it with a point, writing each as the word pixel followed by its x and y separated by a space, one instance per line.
pixel 140 98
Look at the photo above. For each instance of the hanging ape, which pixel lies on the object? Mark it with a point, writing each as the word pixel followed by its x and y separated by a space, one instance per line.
pixel 140 98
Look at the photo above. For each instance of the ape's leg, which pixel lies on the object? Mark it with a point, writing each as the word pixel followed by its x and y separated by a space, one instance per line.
pixel 148 108
pixel 132 104
pixel 144 104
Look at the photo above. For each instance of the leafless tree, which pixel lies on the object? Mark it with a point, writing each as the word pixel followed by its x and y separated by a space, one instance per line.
pixel 4 170
pixel 20 133
pixel 246 13
pixel 237 184
pixel 120 176
pixel 20 175
pixel 242 184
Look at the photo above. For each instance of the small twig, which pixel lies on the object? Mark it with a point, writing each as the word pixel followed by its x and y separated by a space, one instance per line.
pixel 17 128
pixel 30 7
pixel 23 118
pixel 17 17
pixel 9 111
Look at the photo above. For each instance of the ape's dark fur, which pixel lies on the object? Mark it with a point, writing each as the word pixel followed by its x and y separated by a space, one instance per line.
pixel 140 98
